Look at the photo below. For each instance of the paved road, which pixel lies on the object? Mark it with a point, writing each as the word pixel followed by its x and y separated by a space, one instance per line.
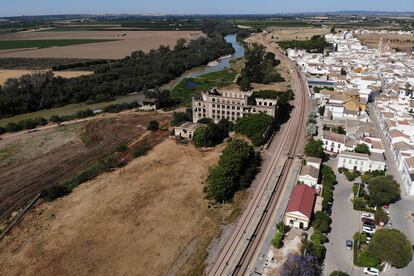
pixel 345 222
pixel 401 210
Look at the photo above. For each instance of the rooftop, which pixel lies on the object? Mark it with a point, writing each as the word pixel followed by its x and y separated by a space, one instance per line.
pixel 302 200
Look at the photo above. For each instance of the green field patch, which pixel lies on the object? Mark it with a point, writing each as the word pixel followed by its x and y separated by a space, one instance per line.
pixel 273 23
pixel 190 87
pixel 46 43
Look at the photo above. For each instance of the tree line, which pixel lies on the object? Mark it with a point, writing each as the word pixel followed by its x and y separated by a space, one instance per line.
pixel 137 72
pixel 316 44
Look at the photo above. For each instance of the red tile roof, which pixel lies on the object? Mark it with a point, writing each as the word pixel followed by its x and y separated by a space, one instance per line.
pixel 302 200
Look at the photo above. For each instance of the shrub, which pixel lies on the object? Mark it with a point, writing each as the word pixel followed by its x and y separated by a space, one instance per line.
pixel 321 222
pixel 141 150
pixel 359 202
pixel 318 237
pixel 121 148
pixel 277 240
pixel 366 260
pixel 55 192
pixel 338 273
pixel 153 125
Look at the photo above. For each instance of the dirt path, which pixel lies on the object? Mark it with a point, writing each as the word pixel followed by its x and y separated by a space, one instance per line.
pixel 138 220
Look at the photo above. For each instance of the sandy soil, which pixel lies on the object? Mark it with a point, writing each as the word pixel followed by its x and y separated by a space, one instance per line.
pixel 298 33
pixel 403 42
pixel 130 41
pixel 6 74
pixel 23 179
pixel 143 219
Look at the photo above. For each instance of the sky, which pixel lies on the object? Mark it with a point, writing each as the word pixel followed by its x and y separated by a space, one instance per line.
pixel 41 7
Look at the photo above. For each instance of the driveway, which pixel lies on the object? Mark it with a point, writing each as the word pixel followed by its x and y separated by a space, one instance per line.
pixel 345 222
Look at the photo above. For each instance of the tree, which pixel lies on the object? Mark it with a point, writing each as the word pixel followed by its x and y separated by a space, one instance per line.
pixel 362 148
pixel 179 117
pixel 380 216
pixel 153 125
pixel 383 190
pixel 300 266
pixel 318 237
pixel 257 127
pixel 209 135
pixel 321 110
pixel 321 222
pixel 314 148
pixel 392 246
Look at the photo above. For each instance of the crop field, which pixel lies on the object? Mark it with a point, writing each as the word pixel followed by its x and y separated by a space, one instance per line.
pixel 273 23
pixel 24 174
pixel 118 43
pixel 125 222
pixel 46 43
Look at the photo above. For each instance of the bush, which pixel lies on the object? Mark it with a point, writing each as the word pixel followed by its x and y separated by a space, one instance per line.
pixel 350 175
pixel 321 222
pixel 359 202
pixel 366 260
pixel 153 125
pixel 277 240
pixel 318 237
pixel 141 150
pixel 362 148
pixel 121 148
pixel 55 192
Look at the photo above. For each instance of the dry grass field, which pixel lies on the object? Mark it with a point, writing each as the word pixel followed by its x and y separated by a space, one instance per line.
pixel 404 43
pixel 129 41
pixel 6 74
pixel 36 161
pixel 148 218
pixel 298 33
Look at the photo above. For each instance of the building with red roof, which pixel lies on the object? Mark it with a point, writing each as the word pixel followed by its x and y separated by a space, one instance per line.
pixel 300 206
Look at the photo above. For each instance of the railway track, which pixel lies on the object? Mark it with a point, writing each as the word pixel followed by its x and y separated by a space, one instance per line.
pixel 240 250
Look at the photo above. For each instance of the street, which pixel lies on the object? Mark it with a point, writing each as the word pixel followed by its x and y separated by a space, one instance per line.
pixel 345 222
pixel 400 211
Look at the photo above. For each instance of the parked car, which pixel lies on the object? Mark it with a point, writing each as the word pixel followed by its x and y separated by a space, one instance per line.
pixel 366 215
pixel 368 225
pixel 386 206
pixel 368 221
pixel 368 230
pixel 371 271
pixel 389 223
pixel 349 244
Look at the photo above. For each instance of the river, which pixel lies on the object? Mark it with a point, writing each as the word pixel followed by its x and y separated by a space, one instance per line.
pixel 222 63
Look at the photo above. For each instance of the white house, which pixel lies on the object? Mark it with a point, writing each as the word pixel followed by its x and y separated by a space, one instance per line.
pixel 361 162
pixel 186 130
pixel 336 143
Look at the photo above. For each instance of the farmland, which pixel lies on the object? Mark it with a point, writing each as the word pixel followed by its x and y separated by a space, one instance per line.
pixel 46 43
pixel 24 173
pixel 118 43
pixel 403 43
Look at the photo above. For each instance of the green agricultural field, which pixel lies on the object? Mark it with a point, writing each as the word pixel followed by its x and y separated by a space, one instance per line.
pixel 190 87
pixel 273 23
pixel 45 43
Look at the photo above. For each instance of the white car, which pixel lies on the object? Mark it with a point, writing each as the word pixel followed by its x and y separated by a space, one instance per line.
pixel 368 230
pixel 368 216
pixel 371 271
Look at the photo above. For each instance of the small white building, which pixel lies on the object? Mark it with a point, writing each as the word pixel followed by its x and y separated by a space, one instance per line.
pixel 335 142
pixel 361 162
pixel 186 130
